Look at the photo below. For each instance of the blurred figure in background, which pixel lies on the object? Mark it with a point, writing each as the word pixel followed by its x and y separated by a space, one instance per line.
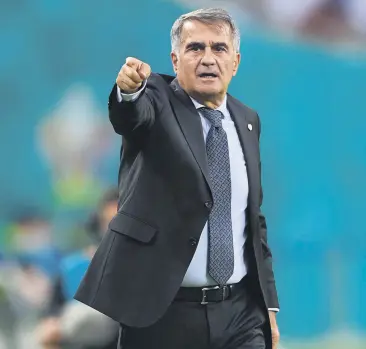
pixel 32 260
pixel 341 21
pixel 32 244
pixel 69 324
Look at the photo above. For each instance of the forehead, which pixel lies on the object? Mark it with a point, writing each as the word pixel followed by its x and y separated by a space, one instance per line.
pixel 202 32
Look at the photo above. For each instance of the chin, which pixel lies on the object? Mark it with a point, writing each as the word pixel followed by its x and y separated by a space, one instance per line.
pixel 209 92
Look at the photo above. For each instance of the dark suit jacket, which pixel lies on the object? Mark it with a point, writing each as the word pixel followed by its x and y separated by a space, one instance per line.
pixel 165 200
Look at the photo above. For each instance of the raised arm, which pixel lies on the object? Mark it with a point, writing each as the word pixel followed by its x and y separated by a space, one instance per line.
pixel 130 106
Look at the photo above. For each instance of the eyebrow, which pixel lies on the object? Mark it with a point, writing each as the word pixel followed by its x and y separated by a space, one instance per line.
pixel 220 44
pixel 195 44
pixel 202 44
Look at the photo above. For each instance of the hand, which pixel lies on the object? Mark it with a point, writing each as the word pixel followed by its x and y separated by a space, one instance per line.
pixel 49 332
pixel 274 329
pixel 132 74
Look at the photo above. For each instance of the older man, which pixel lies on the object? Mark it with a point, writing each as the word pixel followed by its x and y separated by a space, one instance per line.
pixel 185 262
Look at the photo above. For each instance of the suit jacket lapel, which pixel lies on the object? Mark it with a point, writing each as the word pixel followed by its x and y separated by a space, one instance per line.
pixel 191 126
pixel 249 144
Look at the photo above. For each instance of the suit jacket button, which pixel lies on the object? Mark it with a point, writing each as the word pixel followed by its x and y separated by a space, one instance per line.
pixel 193 241
pixel 208 204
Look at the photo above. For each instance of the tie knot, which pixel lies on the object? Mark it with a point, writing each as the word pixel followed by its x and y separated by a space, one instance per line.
pixel 212 115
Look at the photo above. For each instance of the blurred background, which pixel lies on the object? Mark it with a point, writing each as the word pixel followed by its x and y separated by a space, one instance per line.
pixel 303 69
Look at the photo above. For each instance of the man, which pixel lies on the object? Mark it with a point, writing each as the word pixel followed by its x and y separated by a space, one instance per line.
pixel 185 262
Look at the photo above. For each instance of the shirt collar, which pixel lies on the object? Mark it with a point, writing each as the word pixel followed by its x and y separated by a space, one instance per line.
pixel 222 107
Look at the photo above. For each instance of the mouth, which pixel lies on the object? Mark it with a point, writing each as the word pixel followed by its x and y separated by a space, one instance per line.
pixel 208 76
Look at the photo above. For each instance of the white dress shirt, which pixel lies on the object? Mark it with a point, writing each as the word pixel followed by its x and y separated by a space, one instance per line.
pixel 197 275
pixel 197 272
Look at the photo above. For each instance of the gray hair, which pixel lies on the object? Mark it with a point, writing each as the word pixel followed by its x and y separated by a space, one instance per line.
pixel 208 16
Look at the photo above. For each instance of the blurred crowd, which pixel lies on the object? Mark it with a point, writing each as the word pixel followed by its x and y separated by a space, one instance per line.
pixel 38 281
pixel 326 21
pixel 342 21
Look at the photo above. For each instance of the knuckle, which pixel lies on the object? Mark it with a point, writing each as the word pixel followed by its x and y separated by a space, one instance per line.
pixel 131 61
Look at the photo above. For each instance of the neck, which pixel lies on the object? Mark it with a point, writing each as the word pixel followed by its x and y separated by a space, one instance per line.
pixel 212 102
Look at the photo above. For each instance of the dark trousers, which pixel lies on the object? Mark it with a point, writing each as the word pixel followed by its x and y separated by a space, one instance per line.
pixel 236 323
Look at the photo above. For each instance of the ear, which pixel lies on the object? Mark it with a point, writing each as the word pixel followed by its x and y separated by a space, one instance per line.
pixel 174 58
pixel 236 63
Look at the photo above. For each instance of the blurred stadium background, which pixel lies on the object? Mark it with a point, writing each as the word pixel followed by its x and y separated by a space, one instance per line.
pixel 303 69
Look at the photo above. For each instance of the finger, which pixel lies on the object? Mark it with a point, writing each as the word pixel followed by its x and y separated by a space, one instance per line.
pixel 275 341
pixel 133 62
pixel 275 337
pixel 127 88
pixel 132 74
pixel 144 71
pixel 126 84
pixel 123 78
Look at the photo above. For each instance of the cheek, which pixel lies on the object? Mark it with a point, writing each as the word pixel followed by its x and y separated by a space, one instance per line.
pixel 230 69
pixel 190 65
pixel 188 69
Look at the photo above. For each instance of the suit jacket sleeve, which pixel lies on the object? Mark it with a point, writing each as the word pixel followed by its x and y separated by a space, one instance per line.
pixel 132 120
pixel 271 291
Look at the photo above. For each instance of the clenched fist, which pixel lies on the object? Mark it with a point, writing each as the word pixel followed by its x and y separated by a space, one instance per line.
pixel 132 74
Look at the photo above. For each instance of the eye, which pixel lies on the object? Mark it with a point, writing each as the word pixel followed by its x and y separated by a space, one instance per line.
pixel 195 48
pixel 220 48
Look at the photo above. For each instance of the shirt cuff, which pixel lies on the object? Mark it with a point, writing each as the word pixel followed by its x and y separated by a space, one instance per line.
pixel 130 97
pixel 275 310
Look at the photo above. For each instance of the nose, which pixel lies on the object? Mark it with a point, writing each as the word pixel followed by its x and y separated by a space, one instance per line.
pixel 208 58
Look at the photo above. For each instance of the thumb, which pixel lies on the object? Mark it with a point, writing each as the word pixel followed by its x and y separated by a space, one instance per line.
pixel 144 71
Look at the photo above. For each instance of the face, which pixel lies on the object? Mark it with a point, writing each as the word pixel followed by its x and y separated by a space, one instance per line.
pixel 206 61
